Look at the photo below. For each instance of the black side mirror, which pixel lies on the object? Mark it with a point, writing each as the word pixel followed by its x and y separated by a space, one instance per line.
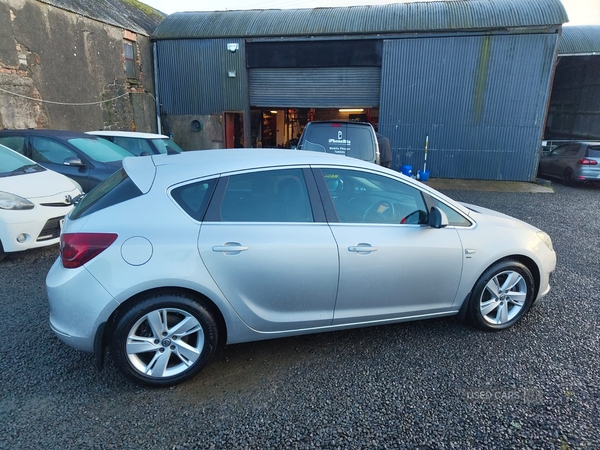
pixel 144 154
pixel 73 161
pixel 437 218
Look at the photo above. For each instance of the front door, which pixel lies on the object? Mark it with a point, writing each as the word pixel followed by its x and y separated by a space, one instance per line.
pixel 392 264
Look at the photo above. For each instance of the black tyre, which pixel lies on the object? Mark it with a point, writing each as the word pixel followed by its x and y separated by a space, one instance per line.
pixel 164 340
pixel 501 296
pixel 568 177
pixel 2 252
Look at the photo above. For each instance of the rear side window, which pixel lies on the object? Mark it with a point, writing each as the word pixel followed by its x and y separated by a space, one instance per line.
pixel 16 143
pixel 348 139
pixel 114 190
pixel 194 197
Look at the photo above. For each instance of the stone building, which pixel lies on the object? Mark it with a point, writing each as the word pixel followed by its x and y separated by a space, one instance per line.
pixel 77 64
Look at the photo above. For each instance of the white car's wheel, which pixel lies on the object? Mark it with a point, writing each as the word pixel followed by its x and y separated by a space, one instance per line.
pixel 502 295
pixel 164 340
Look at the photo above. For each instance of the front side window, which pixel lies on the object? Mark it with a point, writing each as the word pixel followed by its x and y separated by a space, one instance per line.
pixel 454 218
pixel 268 196
pixel 363 197
pixel 44 150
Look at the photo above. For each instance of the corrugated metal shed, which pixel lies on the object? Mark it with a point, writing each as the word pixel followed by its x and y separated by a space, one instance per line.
pixel 128 14
pixel 580 40
pixel 372 19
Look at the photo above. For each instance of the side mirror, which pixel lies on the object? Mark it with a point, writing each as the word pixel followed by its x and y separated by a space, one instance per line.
pixel 73 161
pixel 144 154
pixel 437 218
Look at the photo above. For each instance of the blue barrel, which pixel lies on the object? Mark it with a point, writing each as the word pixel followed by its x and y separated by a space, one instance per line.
pixel 423 175
pixel 406 170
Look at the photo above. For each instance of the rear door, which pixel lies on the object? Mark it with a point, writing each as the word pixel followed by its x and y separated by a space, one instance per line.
pixel 266 244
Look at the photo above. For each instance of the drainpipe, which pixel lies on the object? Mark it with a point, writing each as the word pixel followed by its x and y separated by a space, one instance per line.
pixel 156 101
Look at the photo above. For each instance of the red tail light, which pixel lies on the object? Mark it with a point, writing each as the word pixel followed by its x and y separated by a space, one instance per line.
pixel 587 162
pixel 78 248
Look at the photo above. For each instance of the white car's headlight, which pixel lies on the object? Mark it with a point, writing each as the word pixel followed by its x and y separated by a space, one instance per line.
pixel 12 201
pixel 545 239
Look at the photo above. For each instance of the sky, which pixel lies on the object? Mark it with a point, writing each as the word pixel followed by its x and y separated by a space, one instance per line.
pixel 580 12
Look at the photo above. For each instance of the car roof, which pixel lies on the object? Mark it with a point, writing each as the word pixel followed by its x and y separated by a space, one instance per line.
pixel 131 134
pixel 340 121
pixel 62 134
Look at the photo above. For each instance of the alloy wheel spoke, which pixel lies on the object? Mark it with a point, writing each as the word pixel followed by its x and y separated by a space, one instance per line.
pixel 489 306
pixel 511 281
pixel 502 313
pixel 517 298
pixel 493 287
pixel 139 344
pixel 186 353
pixel 187 326
pixel 157 321
pixel 158 365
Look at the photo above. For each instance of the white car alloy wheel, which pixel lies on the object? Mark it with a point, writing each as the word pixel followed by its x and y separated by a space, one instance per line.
pixel 164 340
pixel 502 295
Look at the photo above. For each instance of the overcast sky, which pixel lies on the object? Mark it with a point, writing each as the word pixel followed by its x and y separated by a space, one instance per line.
pixel 580 11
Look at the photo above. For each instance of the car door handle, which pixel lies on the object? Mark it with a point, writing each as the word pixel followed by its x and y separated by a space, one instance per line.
pixel 362 248
pixel 230 248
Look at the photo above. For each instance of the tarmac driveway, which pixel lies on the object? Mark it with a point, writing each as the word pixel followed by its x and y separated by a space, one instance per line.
pixel 429 384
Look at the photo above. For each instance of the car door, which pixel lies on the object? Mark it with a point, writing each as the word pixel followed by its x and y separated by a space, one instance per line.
pixel 55 155
pixel 392 264
pixel 266 244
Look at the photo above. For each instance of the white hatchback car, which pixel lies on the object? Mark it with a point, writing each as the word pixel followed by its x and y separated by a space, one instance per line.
pixel 177 254
pixel 140 144
pixel 33 203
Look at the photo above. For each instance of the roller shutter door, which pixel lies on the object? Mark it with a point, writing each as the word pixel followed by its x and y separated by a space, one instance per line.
pixel 322 87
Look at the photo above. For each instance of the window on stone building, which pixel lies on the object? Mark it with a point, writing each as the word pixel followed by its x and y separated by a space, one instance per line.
pixel 129 52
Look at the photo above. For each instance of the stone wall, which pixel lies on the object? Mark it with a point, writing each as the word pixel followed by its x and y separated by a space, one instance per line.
pixel 76 66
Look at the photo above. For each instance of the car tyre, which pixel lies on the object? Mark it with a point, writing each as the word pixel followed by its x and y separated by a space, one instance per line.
pixel 164 340
pixel 2 252
pixel 502 295
pixel 568 177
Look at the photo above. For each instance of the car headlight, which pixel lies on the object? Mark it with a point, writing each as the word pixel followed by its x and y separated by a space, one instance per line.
pixel 545 239
pixel 12 201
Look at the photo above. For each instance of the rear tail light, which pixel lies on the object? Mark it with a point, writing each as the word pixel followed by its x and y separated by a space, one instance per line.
pixel 587 162
pixel 78 248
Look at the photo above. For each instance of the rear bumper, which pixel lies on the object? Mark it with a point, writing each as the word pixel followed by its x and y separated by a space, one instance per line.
pixel 79 305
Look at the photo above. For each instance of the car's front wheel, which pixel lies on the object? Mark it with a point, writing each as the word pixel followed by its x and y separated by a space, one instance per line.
pixel 164 340
pixel 502 295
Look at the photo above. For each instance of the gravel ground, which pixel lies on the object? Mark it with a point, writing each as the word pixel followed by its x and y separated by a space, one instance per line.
pixel 429 384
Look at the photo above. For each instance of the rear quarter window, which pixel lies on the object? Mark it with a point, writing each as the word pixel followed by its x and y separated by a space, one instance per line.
pixel 193 198
pixel 115 189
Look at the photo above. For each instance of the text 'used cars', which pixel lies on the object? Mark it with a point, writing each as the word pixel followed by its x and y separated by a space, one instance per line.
pixel 174 255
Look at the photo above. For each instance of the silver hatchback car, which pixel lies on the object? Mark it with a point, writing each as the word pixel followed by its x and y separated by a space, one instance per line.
pixel 572 162
pixel 177 254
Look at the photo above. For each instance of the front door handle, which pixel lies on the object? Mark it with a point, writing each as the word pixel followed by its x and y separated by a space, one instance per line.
pixel 230 248
pixel 362 249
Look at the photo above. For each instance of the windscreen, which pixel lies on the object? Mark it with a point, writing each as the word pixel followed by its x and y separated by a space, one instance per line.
pixel 347 139
pixel 100 150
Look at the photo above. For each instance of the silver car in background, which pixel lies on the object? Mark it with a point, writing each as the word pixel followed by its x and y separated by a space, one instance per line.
pixel 572 162
pixel 177 254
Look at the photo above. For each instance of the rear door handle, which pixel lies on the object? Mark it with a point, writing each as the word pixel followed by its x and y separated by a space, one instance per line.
pixel 363 249
pixel 230 248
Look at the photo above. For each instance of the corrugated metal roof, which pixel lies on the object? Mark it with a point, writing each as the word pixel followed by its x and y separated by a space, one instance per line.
pixel 580 40
pixel 128 14
pixel 370 19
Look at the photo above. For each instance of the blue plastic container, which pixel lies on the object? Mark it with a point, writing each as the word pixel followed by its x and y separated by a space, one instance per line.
pixel 406 170
pixel 423 175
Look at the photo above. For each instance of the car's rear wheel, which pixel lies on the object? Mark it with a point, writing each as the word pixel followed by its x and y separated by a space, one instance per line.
pixel 164 340
pixel 568 177
pixel 502 295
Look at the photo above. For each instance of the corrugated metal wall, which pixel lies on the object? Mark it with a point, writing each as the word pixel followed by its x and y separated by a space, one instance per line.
pixel 481 99
pixel 321 87
pixel 193 76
